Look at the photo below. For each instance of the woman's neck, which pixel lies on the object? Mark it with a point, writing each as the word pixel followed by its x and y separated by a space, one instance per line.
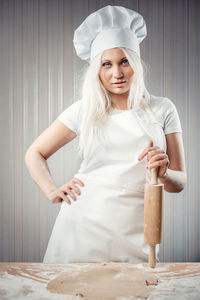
pixel 119 101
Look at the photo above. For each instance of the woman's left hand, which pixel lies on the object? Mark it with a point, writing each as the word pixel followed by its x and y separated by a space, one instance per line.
pixel 156 157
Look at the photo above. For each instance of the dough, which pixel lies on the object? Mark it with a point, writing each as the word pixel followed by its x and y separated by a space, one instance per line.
pixel 104 281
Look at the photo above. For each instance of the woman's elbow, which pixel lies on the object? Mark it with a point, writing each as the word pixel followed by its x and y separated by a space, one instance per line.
pixel 29 156
pixel 183 183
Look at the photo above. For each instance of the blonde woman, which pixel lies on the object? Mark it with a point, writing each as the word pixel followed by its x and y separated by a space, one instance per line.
pixel 123 133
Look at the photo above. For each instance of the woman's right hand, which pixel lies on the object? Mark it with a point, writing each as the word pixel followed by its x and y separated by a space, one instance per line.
pixel 69 188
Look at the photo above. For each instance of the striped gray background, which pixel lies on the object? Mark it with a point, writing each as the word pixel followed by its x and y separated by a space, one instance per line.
pixel 39 78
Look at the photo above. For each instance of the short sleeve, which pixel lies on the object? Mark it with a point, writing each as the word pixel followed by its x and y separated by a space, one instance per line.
pixel 171 118
pixel 71 116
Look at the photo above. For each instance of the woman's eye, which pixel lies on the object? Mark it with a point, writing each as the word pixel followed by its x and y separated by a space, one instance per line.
pixel 125 61
pixel 105 64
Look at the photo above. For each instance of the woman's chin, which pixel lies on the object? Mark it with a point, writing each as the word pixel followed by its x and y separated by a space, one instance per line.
pixel 119 91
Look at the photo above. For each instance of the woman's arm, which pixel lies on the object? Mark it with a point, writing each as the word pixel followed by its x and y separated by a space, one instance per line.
pixel 175 178
pixel 52 139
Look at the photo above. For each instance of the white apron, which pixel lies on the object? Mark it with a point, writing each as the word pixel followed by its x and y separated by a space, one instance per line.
pixel 106 222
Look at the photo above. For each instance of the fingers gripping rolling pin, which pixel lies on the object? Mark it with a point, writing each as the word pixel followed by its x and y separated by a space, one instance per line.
pixel 153 195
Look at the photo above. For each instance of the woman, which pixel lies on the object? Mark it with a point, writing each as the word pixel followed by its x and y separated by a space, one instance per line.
pixel 122 129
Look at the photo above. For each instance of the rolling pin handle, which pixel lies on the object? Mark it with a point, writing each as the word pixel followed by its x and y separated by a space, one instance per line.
pixel 154 176
pixel 152 256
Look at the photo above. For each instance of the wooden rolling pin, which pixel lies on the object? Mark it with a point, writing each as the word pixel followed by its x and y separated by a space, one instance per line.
pixel 153 195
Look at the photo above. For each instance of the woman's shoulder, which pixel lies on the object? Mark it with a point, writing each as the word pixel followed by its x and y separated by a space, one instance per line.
pixel 71 116
pixel 161 106
pixel 160 103
pixel 73 108
pixel 166 113
pixel 75 105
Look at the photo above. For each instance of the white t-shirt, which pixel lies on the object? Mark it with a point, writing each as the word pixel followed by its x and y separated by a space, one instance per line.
pixel 163 110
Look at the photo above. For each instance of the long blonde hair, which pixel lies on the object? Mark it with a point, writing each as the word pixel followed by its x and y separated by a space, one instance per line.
pixel 96 102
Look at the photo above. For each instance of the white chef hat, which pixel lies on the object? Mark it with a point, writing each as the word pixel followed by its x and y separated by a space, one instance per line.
pixel 109 27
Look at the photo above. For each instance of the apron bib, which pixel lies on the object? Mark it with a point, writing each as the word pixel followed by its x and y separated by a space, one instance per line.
pixel 106 223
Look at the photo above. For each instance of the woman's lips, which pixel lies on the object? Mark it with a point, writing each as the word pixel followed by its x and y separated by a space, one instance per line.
pixel 119 83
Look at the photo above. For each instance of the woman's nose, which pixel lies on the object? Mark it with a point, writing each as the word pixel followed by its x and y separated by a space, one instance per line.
pixel 117 72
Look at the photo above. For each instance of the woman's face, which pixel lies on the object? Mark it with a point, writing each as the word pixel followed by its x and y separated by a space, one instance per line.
pixel 115 72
